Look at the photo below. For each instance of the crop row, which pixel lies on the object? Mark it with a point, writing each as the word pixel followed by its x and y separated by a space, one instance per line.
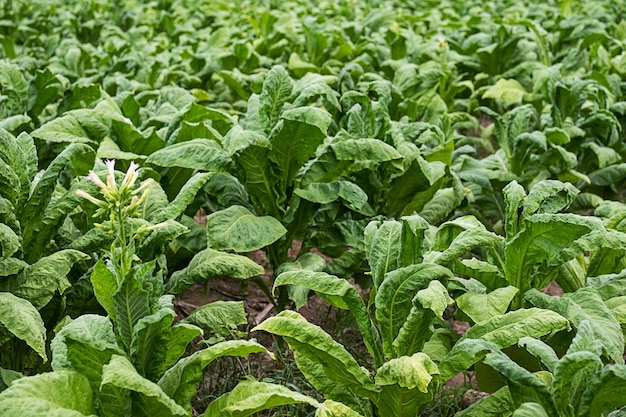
pixel 453 158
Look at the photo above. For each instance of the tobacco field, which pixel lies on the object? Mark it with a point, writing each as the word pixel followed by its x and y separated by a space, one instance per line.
pixel 445 180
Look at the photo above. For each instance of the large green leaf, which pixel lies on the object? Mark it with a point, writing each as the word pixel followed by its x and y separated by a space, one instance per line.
pixel 428 305
pixel 179 382
pixel 149 345
pixel 405 385
pixel 104 286
pixel 498 404
pixel 250 397
pixel 218 317
pixel 9 241
pixel 210 263
pixel 131 303
pixel 394 299
pixel 277 88
pixel 324 362
pixel 22 319
pixel 506 91
pixel 543 236
pixel 383 246
pixel 523 385
pixel 586 304
pixel 200 154
pixel 53 394
pixel 541 350
pixel 332 408
pixel 571 378
pixel 308 261
pixel 530 409
pixel 184 197
pixel 150 401
pixel 39 282
pixel 295 138
pixel 339 293
pixel 236 228
pixel 605 392
pixel 42 192
pixel 481 307
pixel 506 330
pixel 324 193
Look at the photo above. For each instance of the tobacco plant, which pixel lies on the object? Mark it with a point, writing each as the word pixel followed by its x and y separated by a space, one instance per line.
pixel 127 363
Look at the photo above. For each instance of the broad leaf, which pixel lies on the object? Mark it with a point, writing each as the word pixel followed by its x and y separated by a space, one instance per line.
pixel 150 401
pixel 209 264
pixel 481 307
pixel 54 394
pixel 200 154
pixel 324 362
pixel 250 397
pixel 236 228
pixel 22 319
pixel 339 293
pixel 179 382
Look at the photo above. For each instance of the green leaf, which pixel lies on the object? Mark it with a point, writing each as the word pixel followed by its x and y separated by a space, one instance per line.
pixel 38 282
pixel 130 304
pixel 383 248
pixel 250 397
pixel 395 295
pixel 364 152
pixel 9 241
pixel 149 344
pixel 218 317
pixel 179 382
pixel 324 362
pixel 506 91
pixel 605 392
pixel 87 334
pixel 277 88
pixel 571 378
pixel 54 394
pixel 464 354
pixel 530 410
pixel 540 350
pixel 332 408
pixel 295 138
pixel 183 199
pixel 481 307
pixel 200 154
pixel 428 304
pixel 81 156
pixel 339 293
pixel 523 385
pixel 307 261
pixel 508 329
pixel 69 128
pixel 324 193
pixel 104 286
pixel 586 304
pixel 210 263
pixel 405 385
pixel 22 319
pixel 543 237
pixel 498 404
pixel 150 401
pixel 236 228
pixel 514 196
pixel 408 372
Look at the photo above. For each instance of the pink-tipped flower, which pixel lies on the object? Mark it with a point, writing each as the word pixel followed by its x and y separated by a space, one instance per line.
pixel 131 176
pixel 91 198
pixel 111 176
pixel 96 180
